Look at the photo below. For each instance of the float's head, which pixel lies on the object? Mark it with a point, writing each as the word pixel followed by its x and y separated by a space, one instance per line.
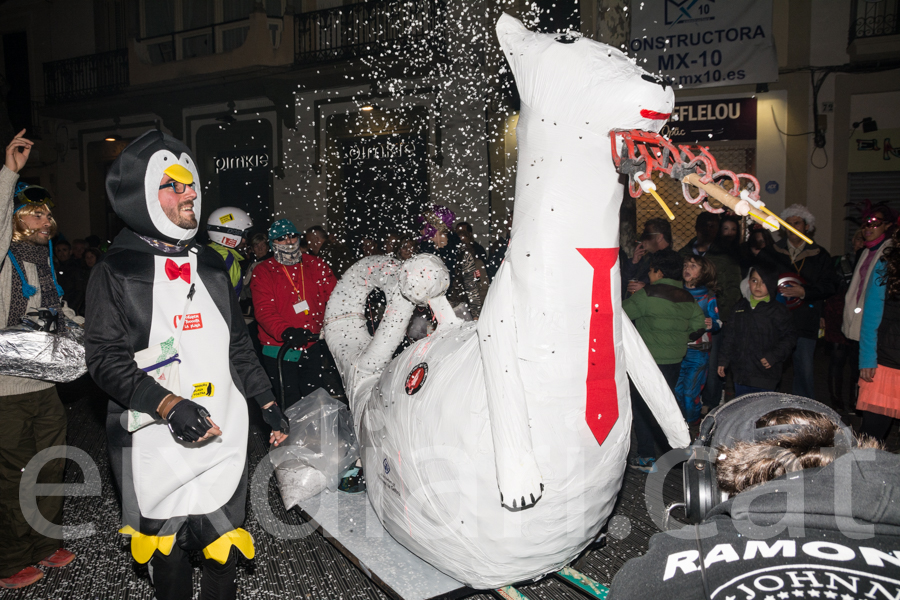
pixel 153 187
pixel 576 81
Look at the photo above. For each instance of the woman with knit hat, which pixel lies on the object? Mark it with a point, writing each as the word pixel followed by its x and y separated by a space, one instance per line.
pixel 439 239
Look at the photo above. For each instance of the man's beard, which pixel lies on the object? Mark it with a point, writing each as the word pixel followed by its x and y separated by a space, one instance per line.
pixel 38 239
pixel 180 219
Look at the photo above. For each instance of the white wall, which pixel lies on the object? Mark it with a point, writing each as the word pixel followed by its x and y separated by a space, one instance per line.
pixel 882 107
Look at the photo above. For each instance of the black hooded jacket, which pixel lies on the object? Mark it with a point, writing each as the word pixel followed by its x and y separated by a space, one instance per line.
pixel 832 531
pixel 752 334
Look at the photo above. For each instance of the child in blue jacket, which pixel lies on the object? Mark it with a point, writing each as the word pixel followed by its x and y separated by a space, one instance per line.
pixel 700 280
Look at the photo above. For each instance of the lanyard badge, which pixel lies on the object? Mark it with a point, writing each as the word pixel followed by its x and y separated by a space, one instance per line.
pixel 301 305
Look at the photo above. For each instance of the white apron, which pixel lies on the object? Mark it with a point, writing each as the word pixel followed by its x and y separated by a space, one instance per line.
pixel 173 478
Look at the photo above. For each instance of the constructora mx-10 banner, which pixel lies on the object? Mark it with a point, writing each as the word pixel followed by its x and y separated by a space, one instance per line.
pixel 705 43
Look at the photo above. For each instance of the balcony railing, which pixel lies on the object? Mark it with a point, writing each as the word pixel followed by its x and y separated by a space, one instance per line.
pixel 204 41
pixel 85 76
pixel 366 29
pixel 873 19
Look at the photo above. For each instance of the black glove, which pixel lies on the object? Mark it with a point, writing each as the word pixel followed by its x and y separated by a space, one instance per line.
pixel 276 419
pixel 188 421
pixel 296 337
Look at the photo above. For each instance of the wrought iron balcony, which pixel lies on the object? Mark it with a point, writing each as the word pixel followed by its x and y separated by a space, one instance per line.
pixel 876 18
pixel 366 29
pixel 85 76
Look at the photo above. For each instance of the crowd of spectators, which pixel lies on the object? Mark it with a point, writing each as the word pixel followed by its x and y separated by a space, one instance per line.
pixel 767 303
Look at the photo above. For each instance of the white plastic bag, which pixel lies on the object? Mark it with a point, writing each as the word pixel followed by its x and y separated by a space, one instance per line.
pixel 321 447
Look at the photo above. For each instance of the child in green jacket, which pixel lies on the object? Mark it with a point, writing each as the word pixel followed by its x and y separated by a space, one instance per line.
pixel 667 317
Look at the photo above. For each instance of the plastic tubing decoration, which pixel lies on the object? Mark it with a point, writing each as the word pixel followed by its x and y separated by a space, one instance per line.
pixel 638 154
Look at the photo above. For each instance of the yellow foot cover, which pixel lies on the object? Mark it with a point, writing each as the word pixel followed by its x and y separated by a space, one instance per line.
pixel 143 546
pixel 239 538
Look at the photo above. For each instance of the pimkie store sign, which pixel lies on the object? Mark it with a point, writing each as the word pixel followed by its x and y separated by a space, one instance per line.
pixel 232 161
pixel 707 120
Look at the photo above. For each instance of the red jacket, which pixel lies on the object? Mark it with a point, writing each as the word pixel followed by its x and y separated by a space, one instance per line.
pixel 274 296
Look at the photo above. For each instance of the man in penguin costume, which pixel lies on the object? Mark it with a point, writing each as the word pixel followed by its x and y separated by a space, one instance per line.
pixel 183 476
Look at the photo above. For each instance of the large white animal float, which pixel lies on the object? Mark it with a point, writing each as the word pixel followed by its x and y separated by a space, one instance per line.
pixel 495 450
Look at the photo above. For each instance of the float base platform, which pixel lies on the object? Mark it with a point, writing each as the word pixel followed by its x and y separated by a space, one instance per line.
pixel 349 523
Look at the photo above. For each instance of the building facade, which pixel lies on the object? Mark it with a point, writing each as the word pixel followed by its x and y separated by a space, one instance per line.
pixel 356 115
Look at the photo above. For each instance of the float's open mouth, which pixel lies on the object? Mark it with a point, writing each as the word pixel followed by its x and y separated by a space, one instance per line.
pixel 652 114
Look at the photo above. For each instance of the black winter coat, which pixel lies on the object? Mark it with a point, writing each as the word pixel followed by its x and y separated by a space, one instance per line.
pixel 815 266
pixel 766 331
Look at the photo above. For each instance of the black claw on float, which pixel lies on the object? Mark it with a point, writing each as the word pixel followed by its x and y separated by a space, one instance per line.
pixel 514 504
pixel 501 497
pixel 542 487
pixel 523 502
pixel 533 501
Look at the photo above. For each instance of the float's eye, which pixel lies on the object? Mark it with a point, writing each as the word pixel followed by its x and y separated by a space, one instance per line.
pixel 657 80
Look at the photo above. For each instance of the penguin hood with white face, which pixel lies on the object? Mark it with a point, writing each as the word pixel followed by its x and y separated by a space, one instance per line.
pixel 132 186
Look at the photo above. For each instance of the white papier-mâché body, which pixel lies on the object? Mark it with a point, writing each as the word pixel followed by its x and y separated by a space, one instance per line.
pixel 531 402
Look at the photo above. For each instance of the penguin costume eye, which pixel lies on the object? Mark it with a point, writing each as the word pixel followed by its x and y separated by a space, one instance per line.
pixel 132 185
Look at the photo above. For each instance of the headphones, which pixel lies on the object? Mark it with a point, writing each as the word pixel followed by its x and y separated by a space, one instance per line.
pixel 735 422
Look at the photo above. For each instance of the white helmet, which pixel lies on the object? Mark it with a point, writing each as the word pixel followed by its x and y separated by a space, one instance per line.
pixel 227 225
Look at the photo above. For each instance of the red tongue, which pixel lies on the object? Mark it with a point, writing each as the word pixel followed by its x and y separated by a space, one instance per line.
pixel 652 114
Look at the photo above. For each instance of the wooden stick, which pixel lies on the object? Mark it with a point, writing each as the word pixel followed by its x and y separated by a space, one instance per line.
pixel 721 194
pixel 788 226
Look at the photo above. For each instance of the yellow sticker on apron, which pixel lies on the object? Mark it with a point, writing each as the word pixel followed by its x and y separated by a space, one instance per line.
pixel 203 390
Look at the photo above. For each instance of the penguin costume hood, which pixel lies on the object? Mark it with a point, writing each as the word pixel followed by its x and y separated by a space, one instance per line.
pixel 132 185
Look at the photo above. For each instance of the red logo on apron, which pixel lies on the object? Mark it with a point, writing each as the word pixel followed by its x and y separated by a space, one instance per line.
pixel 193 321
pixel 416 378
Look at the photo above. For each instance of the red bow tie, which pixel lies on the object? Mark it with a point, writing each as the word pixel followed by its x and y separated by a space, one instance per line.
pixel 173 271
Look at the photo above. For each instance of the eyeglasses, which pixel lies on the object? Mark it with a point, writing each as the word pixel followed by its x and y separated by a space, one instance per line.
pixel 179 187
pixel 876 222
pixel 286 237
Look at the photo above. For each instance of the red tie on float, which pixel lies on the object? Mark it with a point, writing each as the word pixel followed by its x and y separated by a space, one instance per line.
pixel 602 407
pixel 173 271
